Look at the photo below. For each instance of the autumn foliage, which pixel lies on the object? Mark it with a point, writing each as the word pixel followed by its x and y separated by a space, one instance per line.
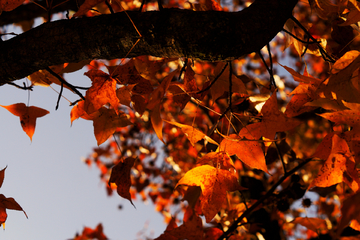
pixel 224 150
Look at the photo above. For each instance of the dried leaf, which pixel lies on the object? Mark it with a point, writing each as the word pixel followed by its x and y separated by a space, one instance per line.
pixel 28 116
pixel 120 175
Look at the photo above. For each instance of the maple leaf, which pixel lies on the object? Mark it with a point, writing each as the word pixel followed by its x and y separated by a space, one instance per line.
pixel 214 184
pixel 89 233
pixel 158 94
pixel 28 116
pixel 102 91
pixel 191 229
pixel 350 211
pixel 222 84
pixel 106 123
pixel 273 120
pixel 120 175
pixel 343 81
pixel 78 111
pixel 194 135
pixel 45 79
pixel 218 160
pixel 7 203
pixel 249 152
pixel 124 94
pixel 148 68
pixel 339 167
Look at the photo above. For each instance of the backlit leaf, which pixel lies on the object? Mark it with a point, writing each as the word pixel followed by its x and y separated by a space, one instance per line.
pixel 249 152
pixel 79 111
pixel 214 184
pixel 194 135
pixel 102 91
pixel 339 167
pixel 120 175
pixel 28 116
pixel 107 122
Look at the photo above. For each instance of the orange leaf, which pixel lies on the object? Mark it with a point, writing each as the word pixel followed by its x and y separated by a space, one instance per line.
pixel 102 91
pixel 349 210
pixel 273 120
pixel 89 233
pixel 344 61
pixel 157 122
pixel 218 160
pixel 124 95
pixel 120 175
pixel 191 229
pixel 214 184
pixel 314 224
pixel 86 6
pixel 79 111
pixel 8 203
pixel 301 78
pixel 339 167
pixel 107 122
pixel 28 116
pixel 222 83
pixel 3 214
pixel 192 133
pixel 249 152
pixel 158 94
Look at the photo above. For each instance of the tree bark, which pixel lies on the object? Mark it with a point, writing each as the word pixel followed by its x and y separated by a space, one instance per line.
pixel 209 36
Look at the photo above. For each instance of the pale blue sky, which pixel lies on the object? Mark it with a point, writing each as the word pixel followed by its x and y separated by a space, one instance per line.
pixel 59 193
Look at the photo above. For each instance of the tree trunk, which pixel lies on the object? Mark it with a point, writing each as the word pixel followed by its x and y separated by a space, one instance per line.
pixel 209 36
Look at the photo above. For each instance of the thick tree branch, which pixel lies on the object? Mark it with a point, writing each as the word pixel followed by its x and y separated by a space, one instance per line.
pixel 210 36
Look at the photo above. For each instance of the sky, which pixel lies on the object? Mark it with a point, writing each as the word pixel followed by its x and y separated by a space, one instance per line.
pixel 58 191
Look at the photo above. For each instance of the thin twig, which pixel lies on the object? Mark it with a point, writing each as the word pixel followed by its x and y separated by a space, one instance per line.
pixel 24 87
pixel 247 212
pixel 65 82
pixel 213 82
pixel 183 68
pixel 300 40
pixel 324 54
pixel 280 157
pixel 109 6
pixel 60 94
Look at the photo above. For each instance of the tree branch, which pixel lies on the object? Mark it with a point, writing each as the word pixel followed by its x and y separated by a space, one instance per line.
pixel 209 36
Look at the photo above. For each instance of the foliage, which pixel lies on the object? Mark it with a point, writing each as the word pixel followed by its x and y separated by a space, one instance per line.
pixel 221 150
